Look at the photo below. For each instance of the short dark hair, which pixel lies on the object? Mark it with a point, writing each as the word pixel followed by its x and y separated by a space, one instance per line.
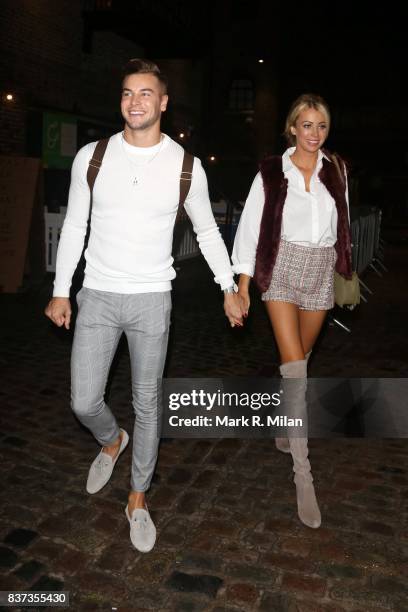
pixel 144 66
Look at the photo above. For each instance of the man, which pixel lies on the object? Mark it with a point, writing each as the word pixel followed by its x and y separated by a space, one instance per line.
pixel 128 278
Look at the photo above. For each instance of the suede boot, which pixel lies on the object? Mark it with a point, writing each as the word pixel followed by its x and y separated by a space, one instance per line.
pixel 295 396
pixel 282 444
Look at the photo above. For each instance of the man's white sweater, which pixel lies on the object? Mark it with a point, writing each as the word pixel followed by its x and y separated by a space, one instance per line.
pixel 129 249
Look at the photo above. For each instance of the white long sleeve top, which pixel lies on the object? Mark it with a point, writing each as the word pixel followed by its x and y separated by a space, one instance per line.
pixel 308 218
pixel 129 249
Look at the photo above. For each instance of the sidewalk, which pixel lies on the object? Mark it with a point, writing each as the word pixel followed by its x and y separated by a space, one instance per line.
pixel 228 533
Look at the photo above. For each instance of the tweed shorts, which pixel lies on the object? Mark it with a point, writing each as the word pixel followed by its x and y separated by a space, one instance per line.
pixel 303 276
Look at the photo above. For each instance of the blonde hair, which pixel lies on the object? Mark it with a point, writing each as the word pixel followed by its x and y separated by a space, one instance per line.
pixel 302 102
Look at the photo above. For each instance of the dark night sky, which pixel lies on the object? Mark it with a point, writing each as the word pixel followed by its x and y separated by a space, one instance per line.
pixel 345 49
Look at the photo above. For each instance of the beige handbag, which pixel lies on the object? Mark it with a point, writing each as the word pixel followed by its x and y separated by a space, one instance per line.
pixel 346 292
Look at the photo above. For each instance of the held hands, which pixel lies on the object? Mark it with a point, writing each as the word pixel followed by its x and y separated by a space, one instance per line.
pixel 232 309
pixel 243 296
pixel 236 306
pixel 59 311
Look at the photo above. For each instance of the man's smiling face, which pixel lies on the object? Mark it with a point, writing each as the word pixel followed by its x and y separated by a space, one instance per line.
pixel 143 101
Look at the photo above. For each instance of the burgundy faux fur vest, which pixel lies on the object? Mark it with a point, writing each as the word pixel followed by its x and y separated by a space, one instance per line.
pixel 276 187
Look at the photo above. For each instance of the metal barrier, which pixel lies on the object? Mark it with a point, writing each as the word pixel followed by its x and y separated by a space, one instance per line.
pixel 53 225
pixel 367 250
pixel 185 244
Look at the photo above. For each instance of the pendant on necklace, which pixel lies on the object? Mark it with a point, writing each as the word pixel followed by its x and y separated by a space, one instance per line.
pixel 135 181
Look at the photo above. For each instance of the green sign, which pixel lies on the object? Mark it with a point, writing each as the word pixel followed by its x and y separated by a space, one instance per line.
pixel 59 140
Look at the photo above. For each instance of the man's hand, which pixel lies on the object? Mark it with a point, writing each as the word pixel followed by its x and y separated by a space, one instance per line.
pixel 232 308
pixel 59 311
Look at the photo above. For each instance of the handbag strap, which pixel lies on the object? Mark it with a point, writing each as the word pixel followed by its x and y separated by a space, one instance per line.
pixel 185 182
pixel 336 162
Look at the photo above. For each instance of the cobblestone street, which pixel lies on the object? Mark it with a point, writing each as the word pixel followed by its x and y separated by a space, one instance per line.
pixel 225 510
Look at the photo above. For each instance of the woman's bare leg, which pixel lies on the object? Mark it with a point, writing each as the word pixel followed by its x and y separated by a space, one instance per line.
pixel 285 322
pixel 295 336
pixel 284 318
pixel 311 323
pixel 295 330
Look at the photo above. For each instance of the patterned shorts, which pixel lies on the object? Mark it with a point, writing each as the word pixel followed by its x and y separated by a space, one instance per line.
pixel 303 276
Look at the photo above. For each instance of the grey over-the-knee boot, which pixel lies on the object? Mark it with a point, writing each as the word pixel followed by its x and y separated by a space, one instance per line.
pixel 282 444
pixel 308 508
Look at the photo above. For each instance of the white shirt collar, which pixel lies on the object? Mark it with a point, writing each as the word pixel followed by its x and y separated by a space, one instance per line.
pixel 287 163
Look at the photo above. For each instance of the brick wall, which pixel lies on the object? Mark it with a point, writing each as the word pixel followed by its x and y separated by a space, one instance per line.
pixel 43 64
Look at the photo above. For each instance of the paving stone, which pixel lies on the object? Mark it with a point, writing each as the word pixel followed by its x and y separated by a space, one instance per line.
pixel 56 526
pixel 194 583
pixel 219 527
pixel 280 561
pixel 103 585
pixel 179 476
pixel 359 595
pixel 295 583
pixel 205 479
pixel 29 570
pixel 105 523
pixel 312 606
pixel 281 526
pixel 70 561
pixel 260 541
pixel 242 592
pixel 200 540
pixel 188 605
pixel 189 503
pixel 339 571
pixel 44 549
pixel 191 560
pixel 390 585
pixel 8 557
pixel 115 557
pixel 199 452
pixel 147 599
pixel 233 551
pixel 295 546
pixel 274 602
pixel 377 528
pixel 253 573
pixel 163 497
pixel 14 441
pixel 47 583
pixel 151 569
pixel 20 538
pixel 332 551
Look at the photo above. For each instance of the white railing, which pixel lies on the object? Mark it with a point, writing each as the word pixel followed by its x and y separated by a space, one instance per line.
pixel 186 243
pixel 53 225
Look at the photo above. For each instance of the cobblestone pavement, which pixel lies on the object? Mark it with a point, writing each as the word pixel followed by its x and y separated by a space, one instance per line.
pixel 228 534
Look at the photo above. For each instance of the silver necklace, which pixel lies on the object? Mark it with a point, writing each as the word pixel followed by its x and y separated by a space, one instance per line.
pixel 138 167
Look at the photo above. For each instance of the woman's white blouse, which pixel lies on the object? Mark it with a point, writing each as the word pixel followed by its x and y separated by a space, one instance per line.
pixel 308 219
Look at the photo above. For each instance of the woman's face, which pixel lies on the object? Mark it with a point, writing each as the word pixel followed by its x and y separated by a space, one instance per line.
pixel 311 130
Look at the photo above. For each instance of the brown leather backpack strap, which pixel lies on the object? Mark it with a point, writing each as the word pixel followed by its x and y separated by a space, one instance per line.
pixel 96 162
pixel 185 182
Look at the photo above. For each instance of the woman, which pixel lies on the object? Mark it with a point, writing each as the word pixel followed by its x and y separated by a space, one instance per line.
pixel 294 231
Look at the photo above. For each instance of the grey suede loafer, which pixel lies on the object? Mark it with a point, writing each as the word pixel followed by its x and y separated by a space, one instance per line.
pixel 102 467
pixel 142 529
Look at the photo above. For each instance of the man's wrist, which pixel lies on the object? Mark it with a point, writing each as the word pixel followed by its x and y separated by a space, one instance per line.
pixel 230 289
